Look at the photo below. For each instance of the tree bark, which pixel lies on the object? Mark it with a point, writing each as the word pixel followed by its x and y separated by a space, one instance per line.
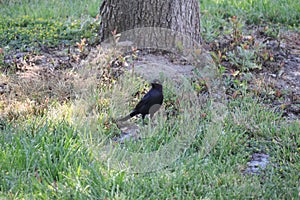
pixel 182 16
pixel 170 25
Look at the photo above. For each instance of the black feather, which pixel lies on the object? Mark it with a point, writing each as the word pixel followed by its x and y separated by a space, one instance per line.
pixel 149 104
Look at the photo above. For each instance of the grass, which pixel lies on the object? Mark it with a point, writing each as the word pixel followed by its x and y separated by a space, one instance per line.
pixel 273 13
pixel 49 9
pixel 256 11
pixel 28 25
pixel 44 158
pixel 51 143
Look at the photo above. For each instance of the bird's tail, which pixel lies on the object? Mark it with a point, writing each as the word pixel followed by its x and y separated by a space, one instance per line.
pixel 132 114
pixel 124 118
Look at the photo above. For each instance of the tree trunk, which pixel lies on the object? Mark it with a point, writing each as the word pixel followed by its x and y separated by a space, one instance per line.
pixel 170 25
pixel 182 16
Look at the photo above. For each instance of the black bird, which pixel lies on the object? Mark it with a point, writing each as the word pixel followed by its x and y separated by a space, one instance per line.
pixel 150 103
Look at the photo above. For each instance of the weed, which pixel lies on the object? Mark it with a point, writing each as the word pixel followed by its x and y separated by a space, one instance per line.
pixel 53 125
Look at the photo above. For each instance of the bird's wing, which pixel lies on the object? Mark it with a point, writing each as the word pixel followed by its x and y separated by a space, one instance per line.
pixel 144 101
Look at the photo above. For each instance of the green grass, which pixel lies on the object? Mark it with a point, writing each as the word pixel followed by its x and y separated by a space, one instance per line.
pixel 49 9
pixel 256 11
pixel 273 13
pixel 48 159
pixel 56 153
pixel 28 25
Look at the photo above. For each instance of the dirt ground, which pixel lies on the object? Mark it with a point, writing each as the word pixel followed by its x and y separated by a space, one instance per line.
pixel 53 71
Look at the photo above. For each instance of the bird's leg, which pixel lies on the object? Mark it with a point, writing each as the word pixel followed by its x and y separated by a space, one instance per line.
pixel 151 115
pixel 143 117
pixel 152 119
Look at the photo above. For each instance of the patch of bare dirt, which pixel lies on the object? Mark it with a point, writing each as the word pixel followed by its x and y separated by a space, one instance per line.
pixel 278 80
pixel 288 77
pixel 29 80
pixel 53 72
